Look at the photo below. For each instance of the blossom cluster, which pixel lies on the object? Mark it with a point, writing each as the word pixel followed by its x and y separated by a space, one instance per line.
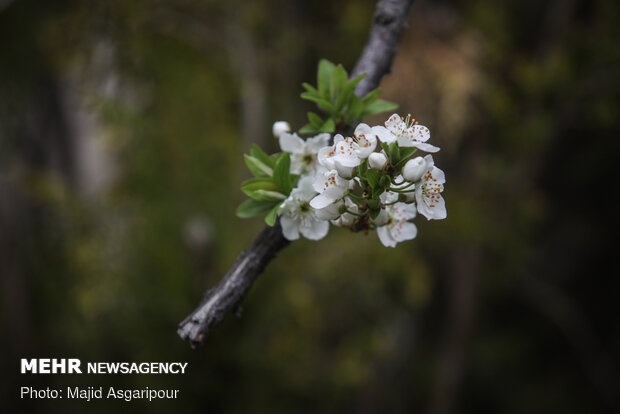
pixel 369 181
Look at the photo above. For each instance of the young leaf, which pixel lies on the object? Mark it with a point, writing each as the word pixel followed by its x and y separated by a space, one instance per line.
pixel 251 208
pixel 265 195
pixel 347 91
pixel 371 97
pixel 259 183
pixel 328 126
pixel 355 109
pixel 324 77
pixel 338 82
pixel 393 152
pixel 308 129
pixel 282 175
pixel 372 176
pixel 270 219
pixel 379 106
pixel 310 89
pixel 405 153
pixel 258 153
pixel 315 120
pixel 323 104
pixel 257 167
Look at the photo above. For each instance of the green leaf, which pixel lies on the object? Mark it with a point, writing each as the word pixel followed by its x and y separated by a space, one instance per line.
pixel 310 89
pixel 322 103
pixel 405 153
pixel 328 126
pixel 266 196
pixel 338 82
pixel 308 129
pixel 324 77
pixel 372 176
pixel 371 97
pixel 282 175
pixel 355 109
pixel 363 167
pixel 393 152
pixel 257 167
pixel 347 91
pixel 258 153
pixel 315 120
pixel 272 216
pixel 259 183
pixel 251 208
pixel 379 106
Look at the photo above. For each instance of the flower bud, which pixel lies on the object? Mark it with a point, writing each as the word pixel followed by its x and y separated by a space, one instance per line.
pixel 414 169
pixel 279 128
pixel 377 160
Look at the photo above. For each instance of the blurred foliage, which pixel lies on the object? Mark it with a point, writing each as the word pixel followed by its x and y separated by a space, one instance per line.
pixel 506 306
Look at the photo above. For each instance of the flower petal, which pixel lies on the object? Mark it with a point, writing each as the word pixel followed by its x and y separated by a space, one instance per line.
pixel 395 124
pixel 406 231
pixel 290 228
pixel 418 133
pixel 291 143
pixel 316 230
pixel 315 143
pixel 383 134
pixel 331 212
pixel 321 201
pixel 385 237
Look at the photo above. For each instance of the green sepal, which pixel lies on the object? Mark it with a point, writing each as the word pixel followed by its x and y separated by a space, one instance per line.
pixel 374 212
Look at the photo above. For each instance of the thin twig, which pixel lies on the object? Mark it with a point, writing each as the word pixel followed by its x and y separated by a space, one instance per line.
pixel 376 60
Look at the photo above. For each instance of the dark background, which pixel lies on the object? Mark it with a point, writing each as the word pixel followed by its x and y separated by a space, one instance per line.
pixel 122 128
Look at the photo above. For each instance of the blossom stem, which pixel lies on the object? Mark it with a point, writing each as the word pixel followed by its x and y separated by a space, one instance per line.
pixel 355 214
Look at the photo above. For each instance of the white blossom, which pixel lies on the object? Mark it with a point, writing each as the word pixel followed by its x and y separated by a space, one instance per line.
pixel 303 153
pixel 406 132
pixel 343 156
pixel 298 216
pixel 331 188
pixel 428 192
pixel 366 140
pixel 397 227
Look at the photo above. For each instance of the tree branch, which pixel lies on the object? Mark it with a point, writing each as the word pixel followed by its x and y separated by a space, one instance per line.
pixel 376 60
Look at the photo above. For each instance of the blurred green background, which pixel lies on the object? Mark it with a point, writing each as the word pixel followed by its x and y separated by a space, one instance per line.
pixel 122 128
